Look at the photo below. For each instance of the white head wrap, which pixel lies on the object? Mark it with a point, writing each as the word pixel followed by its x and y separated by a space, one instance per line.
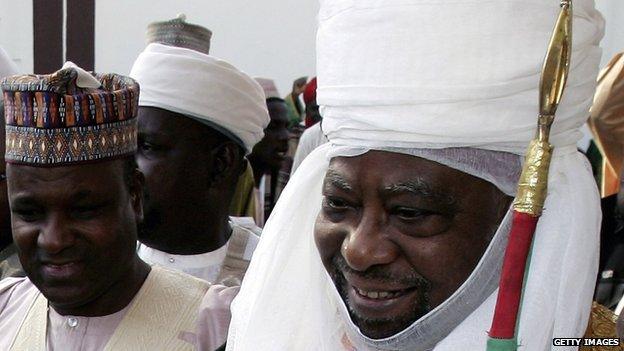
pixel 413 76
pixel 202 87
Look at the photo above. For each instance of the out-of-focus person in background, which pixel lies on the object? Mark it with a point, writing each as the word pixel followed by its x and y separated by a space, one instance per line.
pixel 269 159
pixel 607 125
pixel 313 136
pixel 312 113
pixel 295 109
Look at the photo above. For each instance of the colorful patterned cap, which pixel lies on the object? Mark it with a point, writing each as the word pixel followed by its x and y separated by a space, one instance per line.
pixel 63 118
pixel 178 33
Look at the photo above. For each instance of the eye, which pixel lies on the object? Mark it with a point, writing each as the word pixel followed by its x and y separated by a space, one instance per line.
pixel 336 203
pixel 146 146
pixel 86 212
pixel 28 214
pixel 410 213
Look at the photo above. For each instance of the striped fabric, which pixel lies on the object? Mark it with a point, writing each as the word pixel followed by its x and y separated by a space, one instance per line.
pixel 52 121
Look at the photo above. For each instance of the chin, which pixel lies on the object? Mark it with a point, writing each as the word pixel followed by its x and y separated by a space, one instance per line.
pixel 378 331
pixel 381 328
pixel 67 297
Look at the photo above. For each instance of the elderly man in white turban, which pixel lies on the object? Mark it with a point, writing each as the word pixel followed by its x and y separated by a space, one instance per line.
pixel 198 118
pixel 404 221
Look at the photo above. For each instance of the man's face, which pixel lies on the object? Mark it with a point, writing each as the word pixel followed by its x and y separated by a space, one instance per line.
pixel 75 228
pixel 175 159
pixel 299 85
pixel 273 148
pixel 399 234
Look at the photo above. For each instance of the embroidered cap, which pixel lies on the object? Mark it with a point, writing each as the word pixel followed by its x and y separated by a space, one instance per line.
pixel 178 33
pixel 70 116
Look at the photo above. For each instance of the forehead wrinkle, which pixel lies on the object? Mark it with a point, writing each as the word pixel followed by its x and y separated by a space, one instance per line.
pixel 337 180
pixel 420 187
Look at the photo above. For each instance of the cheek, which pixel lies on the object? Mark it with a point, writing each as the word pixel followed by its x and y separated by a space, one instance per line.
pixel 25 238
pixel 114 239
pixel 5 216
pixel 157 178
pixel 447 259
pixel 329 237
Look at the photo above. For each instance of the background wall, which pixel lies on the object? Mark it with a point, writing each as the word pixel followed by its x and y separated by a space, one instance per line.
pixel 16 32
pixel 268 38
pixel 613 42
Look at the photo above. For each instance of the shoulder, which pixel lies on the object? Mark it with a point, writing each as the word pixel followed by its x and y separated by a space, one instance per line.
pixel 15 293
pixel 311 135
pixel 15 289
pixel 602 324
pixel 214 316
pixel 16 297
pixel 247 228
pixel 178 282
pixel 246 225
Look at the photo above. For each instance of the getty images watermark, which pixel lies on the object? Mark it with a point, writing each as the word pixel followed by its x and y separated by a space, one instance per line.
pixel 586 342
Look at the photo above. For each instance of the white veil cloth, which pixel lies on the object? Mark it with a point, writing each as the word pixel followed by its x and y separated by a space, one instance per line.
pixel 453 81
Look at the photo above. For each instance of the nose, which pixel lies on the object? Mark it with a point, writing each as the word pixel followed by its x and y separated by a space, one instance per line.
pixel 283 135
pixel 367 245
pixel 55 235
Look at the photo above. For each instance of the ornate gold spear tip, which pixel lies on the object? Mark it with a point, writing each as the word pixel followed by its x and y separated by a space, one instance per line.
pixel 532 186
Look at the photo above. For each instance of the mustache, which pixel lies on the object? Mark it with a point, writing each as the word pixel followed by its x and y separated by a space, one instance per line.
pixel 69 254
pixel 382 274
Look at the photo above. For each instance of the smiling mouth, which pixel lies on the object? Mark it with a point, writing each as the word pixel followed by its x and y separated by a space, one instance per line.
pixel 63 270
pixel 382 295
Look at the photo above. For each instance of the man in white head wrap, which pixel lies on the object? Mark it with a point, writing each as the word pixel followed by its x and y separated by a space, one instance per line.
pixel 198 118
pixel 428 107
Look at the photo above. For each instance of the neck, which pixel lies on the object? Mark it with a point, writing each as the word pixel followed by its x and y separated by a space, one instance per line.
pixel 204 236
pixel 5 243
pixel 117 297
pixel 259 169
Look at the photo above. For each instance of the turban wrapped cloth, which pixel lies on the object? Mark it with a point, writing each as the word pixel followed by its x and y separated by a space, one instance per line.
pixel 202 87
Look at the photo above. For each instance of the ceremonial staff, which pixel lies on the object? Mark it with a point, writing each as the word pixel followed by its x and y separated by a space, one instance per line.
pixel 532 189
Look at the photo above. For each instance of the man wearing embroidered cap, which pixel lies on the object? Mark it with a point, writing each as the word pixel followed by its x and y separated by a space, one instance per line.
pixel 198 118
pixel 75 195
pixel 403 226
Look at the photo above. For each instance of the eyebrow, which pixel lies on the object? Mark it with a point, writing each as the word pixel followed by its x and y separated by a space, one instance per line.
pixel 336 179
pixel 81 195
pixel 420 187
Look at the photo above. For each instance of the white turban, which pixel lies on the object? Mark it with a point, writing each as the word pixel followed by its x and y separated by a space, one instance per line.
pixel 448 73
pixel 409 76
pixel 202 87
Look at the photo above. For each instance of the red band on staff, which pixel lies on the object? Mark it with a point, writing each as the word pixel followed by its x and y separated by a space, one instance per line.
pixel 512 276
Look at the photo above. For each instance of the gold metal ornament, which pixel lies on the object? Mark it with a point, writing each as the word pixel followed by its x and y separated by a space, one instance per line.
pixel 532 187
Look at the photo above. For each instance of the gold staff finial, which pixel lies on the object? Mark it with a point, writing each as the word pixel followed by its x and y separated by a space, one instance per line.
pixel 534 179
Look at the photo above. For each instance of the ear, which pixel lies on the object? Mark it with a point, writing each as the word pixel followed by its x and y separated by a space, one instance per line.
pixel 226 163
pixel 136 194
